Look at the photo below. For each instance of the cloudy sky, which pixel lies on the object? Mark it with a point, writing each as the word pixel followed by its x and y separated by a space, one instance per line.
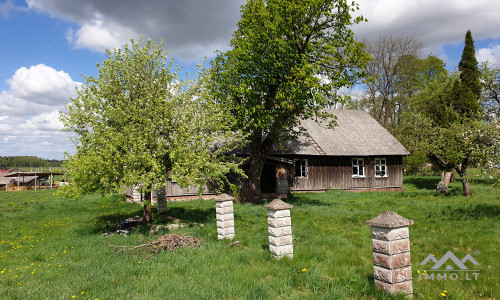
pixel 47 44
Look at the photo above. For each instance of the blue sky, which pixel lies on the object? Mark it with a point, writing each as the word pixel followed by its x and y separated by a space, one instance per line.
pixel 47 44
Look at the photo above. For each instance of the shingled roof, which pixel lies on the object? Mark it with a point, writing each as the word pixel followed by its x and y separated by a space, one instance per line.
pixel 357 134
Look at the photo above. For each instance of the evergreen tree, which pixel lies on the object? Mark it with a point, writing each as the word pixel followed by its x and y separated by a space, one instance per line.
pixel 466 101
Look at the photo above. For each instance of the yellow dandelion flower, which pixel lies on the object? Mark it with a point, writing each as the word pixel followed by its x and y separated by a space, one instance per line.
pixel 443 294
pixel 82 293
pixel 303 270
pixel 140 262
pixel 73 296
pixel 19 284
pixel 418 271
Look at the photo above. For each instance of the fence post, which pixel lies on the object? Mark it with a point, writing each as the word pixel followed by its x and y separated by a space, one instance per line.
pixel 280 228
pixel 391 252
pixel 225 216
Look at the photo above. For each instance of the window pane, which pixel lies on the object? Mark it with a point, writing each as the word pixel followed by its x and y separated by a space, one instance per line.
pixel 361 171
pixel 354 170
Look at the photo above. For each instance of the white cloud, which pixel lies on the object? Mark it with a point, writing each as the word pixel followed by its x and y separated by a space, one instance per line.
pixel 191 29
pixel 433 22
pixel 29 112
pixel 98 36
pixel 490 54
pixel 42 84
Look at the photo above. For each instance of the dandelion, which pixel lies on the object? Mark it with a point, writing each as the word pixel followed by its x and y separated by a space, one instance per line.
pixel 443 294
pixel 82 293
pixel 303 270
pixel 19 284
pixel 73 296
pixel 140 262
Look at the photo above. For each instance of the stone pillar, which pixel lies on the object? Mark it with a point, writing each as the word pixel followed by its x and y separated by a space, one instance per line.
pixel 391 253
pixel 225 216
pixel 280 228
pixel 161 199
pixel 136 194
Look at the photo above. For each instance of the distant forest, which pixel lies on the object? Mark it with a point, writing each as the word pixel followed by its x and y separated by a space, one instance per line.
pixel 28 161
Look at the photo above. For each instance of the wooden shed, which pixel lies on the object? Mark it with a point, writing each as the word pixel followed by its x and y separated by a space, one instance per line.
pixel 358 153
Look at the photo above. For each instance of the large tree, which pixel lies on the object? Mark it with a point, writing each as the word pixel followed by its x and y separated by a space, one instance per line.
pixel 138 123
pixel 287 61
pixel 392 56
pixel 446 121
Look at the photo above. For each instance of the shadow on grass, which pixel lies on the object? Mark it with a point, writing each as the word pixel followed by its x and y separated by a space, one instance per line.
pixel 188 215
pixel 185 216
pixel 302 199
pixel 473 211
pixel 426 183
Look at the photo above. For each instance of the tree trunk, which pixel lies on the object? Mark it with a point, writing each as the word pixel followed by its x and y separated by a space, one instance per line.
pixel 465 183
pixel 147 218
pixel 445 177
pixel 258 152
pixel 452 178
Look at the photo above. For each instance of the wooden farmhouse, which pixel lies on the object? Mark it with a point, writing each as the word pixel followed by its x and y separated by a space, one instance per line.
pixel 356 154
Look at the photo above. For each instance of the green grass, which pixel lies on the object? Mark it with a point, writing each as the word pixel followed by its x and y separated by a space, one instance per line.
pixel 54 248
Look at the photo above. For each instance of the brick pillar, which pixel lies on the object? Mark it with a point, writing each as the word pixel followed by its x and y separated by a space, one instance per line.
pixel 280 228
pixel 225 216
pixel 391 252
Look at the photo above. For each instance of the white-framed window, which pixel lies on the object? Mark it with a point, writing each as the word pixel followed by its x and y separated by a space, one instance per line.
pixel 358 167
pixel 380 167
pixel 301 168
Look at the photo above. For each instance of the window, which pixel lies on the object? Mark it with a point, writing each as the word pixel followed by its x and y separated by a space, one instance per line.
pixel 380 167
pixel 301 168
pixel 358 167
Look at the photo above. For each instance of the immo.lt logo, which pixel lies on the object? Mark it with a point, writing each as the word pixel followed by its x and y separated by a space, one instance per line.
pixel 449 267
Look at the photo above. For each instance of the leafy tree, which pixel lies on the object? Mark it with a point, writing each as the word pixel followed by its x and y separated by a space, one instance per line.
pixel 447 124
pixel 138 123
pixel 490 101
pixel 287 61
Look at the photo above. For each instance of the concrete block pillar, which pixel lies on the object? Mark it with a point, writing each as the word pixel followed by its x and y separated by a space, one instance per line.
pixel 225 216
pixel 161 199
pixel 280 228
pixel 391 253
pixel 136 194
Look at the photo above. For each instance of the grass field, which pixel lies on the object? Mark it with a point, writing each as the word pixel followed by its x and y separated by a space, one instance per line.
pixel 52 248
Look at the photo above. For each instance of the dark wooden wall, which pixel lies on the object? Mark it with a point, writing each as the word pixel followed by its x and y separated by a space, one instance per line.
pixel 336 173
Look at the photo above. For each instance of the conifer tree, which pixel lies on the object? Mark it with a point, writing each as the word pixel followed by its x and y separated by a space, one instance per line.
pixel 466 102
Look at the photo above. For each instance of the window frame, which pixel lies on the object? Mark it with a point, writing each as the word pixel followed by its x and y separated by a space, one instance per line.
pixel 378 163
pixel 304 173
pixel 355 164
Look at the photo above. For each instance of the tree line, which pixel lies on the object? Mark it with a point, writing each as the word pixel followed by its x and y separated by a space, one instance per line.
pixel 28 161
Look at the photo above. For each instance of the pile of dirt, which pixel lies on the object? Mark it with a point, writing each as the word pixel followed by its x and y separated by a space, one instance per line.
pixel 170 242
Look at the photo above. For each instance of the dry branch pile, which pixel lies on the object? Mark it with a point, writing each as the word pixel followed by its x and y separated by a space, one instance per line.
pixel 170 242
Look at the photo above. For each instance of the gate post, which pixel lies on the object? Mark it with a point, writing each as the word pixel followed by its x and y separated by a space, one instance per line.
pixel 225 216
pixel 391 253
pixel 280 228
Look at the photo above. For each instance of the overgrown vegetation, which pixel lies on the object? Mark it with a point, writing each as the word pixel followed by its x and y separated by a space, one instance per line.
pixel 54 248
